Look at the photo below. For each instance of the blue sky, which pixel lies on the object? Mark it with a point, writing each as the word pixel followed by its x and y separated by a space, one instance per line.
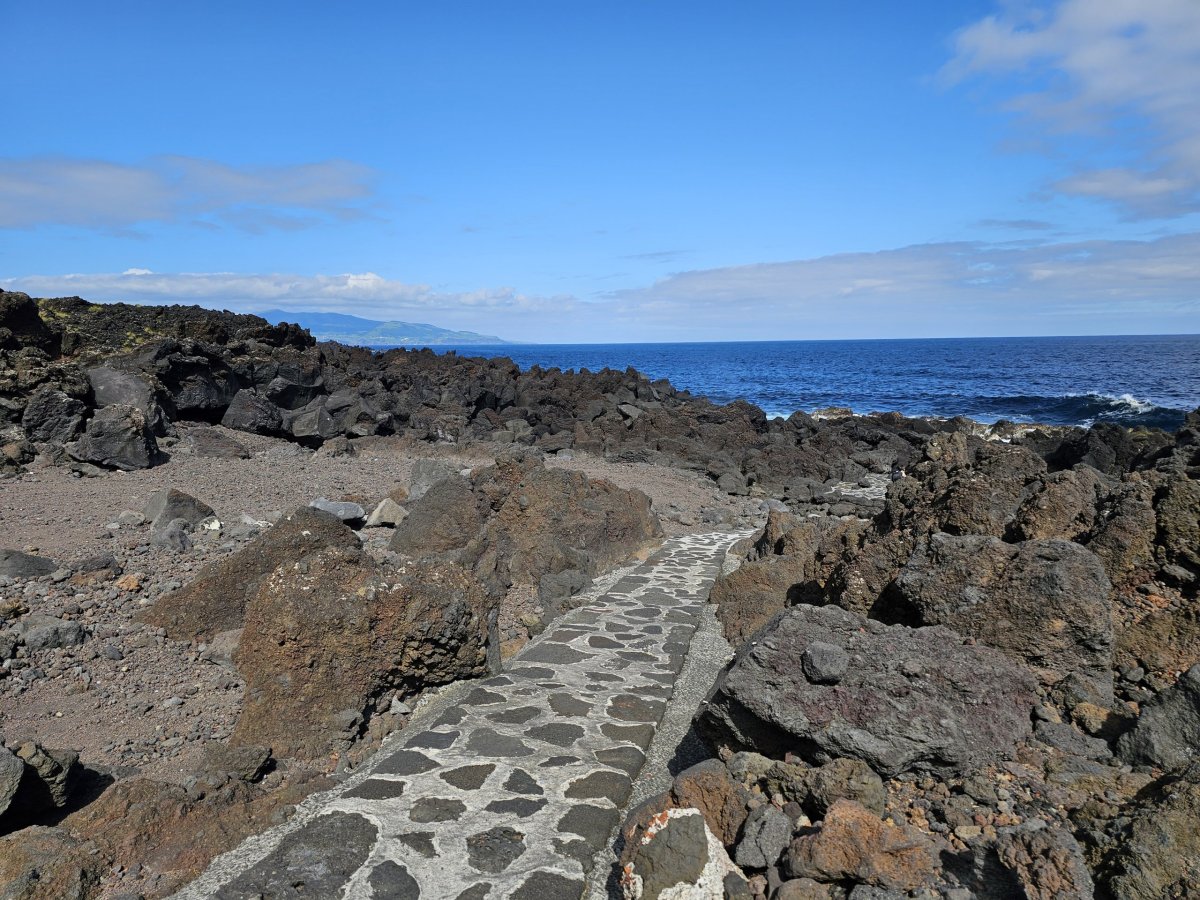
pixel 616 171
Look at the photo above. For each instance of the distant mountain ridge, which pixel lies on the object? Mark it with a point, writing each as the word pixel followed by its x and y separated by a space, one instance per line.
pixel 373 333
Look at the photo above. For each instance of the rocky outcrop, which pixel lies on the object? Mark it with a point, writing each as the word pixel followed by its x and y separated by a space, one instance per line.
pixel 40 863
pixel 445 519
pixel 909 698
pixel 216 599
pixel 327 636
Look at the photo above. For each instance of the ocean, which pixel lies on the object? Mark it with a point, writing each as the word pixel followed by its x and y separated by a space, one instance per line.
pixel 1130 380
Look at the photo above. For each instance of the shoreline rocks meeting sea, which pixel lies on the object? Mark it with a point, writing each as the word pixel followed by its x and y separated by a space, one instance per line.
pixel 287 618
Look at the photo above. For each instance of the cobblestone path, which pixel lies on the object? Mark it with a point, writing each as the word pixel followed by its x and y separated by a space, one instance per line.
pixel 510 792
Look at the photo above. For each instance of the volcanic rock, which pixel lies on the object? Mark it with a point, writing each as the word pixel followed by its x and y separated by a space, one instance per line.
pixel 15 564
pixel 910 699
pixel 252 412
pixel 215 600
pixel 1167 733
pixel 855 845
pixel 1043 602
pixel 113 387
pixel 53 416
pixel 444 519
pixel 164 507
pixel 1157 853
pixel 117 437
pixel 326 638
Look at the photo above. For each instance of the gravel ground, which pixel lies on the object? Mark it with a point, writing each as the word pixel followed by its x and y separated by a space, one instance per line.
pixel 128 697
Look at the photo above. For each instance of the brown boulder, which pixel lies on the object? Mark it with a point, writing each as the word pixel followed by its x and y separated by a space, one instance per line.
pixel 707 787
pixel 1041 864
pixel 1158 854
pixel 785 567
pixel 854 845
pixel 1179 524
pixel 554 520
pixel 172 831
pixel 215 600
pixel 326 637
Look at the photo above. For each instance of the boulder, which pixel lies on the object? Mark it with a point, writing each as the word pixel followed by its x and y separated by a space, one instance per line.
pixel 165 506
pixel 1064 508
pixel 677 856
pixel 426 473
pixel 313 425
pixel 918 698
pixel 215 599
pixel 765 835
pixel 52 416
pixel 252 412
pixel 845 779
pixel 1031 861
pixel 169 832
pixel 708 787
pixel 112 387
pixel 173 536
pixel 42 632
pixel 39 863
pixel 387 513
pixel 855 845
pixel 443 520
pixel 789 564
pixel 12 768
pixel 21 324
pixel 344 510
pixel 215 444
pixel 1179 525
pixel 117 437
pixel 1167 733
pixel 327 638
pixel 1125 532
pixel 33 782
pixel 1043 602
pixel 15 564
pixel 555 520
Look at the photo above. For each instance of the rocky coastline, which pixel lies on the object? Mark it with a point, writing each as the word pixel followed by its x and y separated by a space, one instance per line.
pixel 234 560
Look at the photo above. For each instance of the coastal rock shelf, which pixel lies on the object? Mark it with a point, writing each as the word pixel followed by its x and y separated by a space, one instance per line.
pixel 510 792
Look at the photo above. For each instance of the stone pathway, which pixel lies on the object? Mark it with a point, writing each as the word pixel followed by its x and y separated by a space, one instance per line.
pixel 512 791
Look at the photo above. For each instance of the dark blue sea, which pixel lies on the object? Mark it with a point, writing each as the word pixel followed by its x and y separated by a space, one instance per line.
pixel 1134 380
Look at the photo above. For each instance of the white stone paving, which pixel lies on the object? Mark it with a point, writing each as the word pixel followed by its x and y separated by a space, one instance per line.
pixel 510 791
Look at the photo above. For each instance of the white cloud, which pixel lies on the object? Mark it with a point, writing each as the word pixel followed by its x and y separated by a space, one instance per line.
pixel 949 289
pixel 98 194
pixel 366 294
pixel 1123 77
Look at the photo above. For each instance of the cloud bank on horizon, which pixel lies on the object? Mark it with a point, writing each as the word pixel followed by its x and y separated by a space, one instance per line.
pixel 1076 212
pixel 935 290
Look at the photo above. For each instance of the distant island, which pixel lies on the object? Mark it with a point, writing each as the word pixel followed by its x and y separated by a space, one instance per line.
pixel 373 333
